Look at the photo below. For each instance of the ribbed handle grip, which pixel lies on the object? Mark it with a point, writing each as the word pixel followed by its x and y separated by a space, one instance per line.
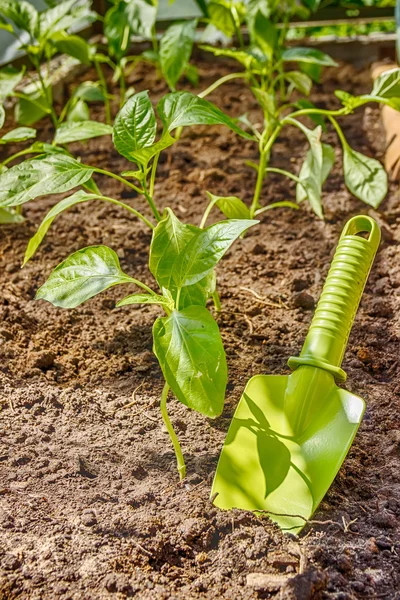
pixel 330 328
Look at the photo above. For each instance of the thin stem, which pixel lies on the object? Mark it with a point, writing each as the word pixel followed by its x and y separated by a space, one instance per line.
pixel 221 81
pixel 153 174
pixel 130 209
pixel 317 111
pixel 236 22
pixel 103 83
pixel 260 179
pixel 122 87
pixel 33 101
pixel 52 113
pixel 209 208
pixel 151 202
pixel 118 178
pixel 180 461
pixel 283 172
pixel 217 301
pixel 338 130
pixel 17 155
pixel 142 285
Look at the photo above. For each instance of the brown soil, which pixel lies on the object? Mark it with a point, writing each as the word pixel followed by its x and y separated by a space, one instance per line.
pixel 91 506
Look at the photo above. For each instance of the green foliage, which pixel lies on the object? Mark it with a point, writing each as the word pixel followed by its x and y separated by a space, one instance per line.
pixel 175 51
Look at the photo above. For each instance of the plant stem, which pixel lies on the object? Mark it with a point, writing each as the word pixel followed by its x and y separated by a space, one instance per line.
pixel 217 301
pixel 50 106
pixel 260 179
pixel 129 208
pixel 32 101
pixel 118 178
pixel 153 174
pixel 209 208
pixel 180 461
pixel 151 202
pixel 220 81
pixel 283 172
pixel 17 155
pixel 140 284
pixel 103 83
pixel 338 131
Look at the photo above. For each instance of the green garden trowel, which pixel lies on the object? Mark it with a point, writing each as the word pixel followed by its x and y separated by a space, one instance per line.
pixel 291 433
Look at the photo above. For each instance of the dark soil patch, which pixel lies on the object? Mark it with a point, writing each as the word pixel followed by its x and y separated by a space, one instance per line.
pixel 90 501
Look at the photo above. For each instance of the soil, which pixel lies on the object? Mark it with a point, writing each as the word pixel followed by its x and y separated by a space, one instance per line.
pixel 91 505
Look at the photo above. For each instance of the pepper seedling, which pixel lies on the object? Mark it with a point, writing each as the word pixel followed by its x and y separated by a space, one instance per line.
pixel 187 341
pixel 265 61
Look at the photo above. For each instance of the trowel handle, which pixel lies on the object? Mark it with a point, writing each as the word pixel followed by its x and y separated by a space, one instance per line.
pixel 330 328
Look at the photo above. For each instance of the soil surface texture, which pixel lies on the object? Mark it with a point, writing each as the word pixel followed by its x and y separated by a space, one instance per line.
pixel 90 502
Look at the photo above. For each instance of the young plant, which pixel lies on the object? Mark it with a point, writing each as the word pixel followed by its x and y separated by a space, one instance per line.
pixel 265 62
pixel 186 341
pixel 41 35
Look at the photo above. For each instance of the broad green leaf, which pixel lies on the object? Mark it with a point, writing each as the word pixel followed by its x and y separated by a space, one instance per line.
pixel 142 16
pixel 244 58
pixel 182 255
pixel 182 109
pixel 221 17
pixel 81 130
pixel 2 116
pixel 144 155
pixel 73 45
pixel 8 215
pixel 53 174
pixel 89 91
pixel 9 79
pixel 20 134
pixel 308 55
pixel 328 159
pixel 62 16
pixel 189 349
pixel 170 239
pixel 192 75
pixel 134 125
pixel 81 276
pixel 265 100
pixel 312 70
pixel 21 13
pixel 26 112
pixel 43 228
pixel 146 299
pixel 78 112
pixel 231 206
pixel 312 174
pixel 175 50
pixel 300 81
pixel 264 34
pixel 117 29
pixel 365 177
pixel 387 85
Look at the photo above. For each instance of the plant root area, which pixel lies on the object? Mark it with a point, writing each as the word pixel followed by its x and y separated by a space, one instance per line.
pixel 91 505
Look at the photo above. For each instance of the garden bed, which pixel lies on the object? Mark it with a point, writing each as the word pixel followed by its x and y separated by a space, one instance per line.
pixel 90 498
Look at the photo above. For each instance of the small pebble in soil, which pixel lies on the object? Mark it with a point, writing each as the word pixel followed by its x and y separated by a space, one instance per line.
pixel 304 300
pixel 88 518
pixel 298 285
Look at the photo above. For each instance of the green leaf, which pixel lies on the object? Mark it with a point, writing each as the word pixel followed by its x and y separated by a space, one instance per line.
pixel 182 255
pixel 244 58
pixel 78 112
pixel 147 299
pixel 73 45
pixel 144 155
pixel 365 177
pixel 265 100
pixel 62 16
pixel 264 34
pixel 117 29
pixel 21 13
pixel 9 79
pixel 300 81
pixel 175 50
pixel 142 16
pixel 311 173
pixel 89 91
pixel 231 206
pixel 26 112
pixel 20 134
pixel 134 126
pixel 81 276
pixel 43 228
pixel 328 159
pixel 8 215
pixel 182 109
pixel 53 174
pixel 2 116
pixel 221 17
pixel 189 349
pixel 308 55
pixel 81 130
pixel 387 85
